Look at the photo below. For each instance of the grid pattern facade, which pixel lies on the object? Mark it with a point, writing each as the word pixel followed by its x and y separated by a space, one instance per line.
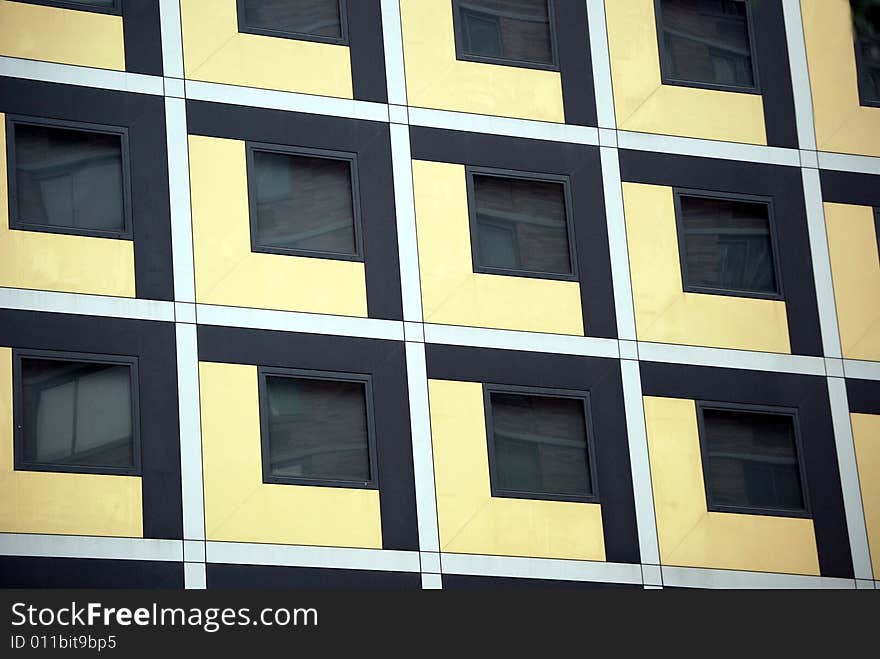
pixel 202 312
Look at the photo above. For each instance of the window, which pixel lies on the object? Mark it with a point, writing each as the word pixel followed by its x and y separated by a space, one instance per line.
pixel 751 460
pixel 303 202
pixel 511 32
pixel 520 224
pixel 310 20
pixel 67 177
pixel 317 428
pixel 727 245
pixel 102 6
pixel 866 31
pixel 706 43
pixel 539 444
pixel 76 413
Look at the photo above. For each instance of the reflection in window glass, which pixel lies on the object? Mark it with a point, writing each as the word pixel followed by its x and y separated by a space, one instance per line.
pixel 521 225
pixel 68 178
pixel 517 30
pixel 317 429
pixel 707 42
pixel 727 245
pixel 540 444
pixel 303 203
pixel 752 460
pixel 319 18
pixel 866 28
pixel 76 414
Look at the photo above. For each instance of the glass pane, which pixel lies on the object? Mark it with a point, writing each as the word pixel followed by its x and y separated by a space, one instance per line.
pixel 69 178
pixel 318 429
pixel 521 225
pixel 540 444
pixel 77 413
pixel 510 29
pixel 866 25
pixel 727 245
pixel 318 18
pixel 752 460
pixel 303 203
pixel 707 41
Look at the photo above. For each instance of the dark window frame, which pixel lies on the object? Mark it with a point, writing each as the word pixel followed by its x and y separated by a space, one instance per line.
pixel 470 172
pixel 460 55
pixel 667 79
pixel 19 464
pixel 15 222
pixel 343 40
pixel 350 158
pixel 263 372
pixel 860 67
pixel 877 228
pixel 678 193
pixel 115 10
pixel 592 454
pixel 743 408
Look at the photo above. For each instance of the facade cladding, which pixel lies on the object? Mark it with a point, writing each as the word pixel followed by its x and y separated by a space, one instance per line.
pixel 440 293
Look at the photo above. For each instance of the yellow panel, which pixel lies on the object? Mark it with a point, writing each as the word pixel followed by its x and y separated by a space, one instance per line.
pixel 471 521
pixel 452 292
pixel 214 50
pixel 435 79
pixel 866 435
pixel 239 506
pixel 643 103
pixel 68 36
pixel 58 262
pixel 689 535
pixel 855 268
pixel 664 312
pixel 227 272
pixel 46 502
pixel 841 123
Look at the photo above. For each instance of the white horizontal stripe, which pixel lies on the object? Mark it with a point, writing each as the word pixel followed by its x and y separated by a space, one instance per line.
pixel 513 340
pixel 862 370
pixel 81 76
pixel 290 101
pixel 691 577
pixel 541 568
pixel 688 146
pixel 846 162
pixel 79 546
pixel 294 321
pixel 482 123
pixel 88 305
pixel 303 556
pixel 723 358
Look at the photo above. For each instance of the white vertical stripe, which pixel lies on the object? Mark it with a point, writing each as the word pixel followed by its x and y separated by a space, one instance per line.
pixel 181 212
pixel 394 68
pixel 620 274
pixel 423 455
pixel 172 48
pixel 640 461
pixel 190 432
pixel 404 203
pixel 821 262
pixel 800 77
pixel 601 63
pixel 849 478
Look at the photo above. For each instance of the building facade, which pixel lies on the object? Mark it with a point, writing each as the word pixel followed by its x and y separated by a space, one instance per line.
pixel 440 293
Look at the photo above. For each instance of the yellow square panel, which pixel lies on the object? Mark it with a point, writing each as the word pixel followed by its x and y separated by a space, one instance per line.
pixel 452 292
pixel 471 520
pixel 239 506
pixel 667 314
pixel 643 103
pixel 688 533
pixel 61 503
